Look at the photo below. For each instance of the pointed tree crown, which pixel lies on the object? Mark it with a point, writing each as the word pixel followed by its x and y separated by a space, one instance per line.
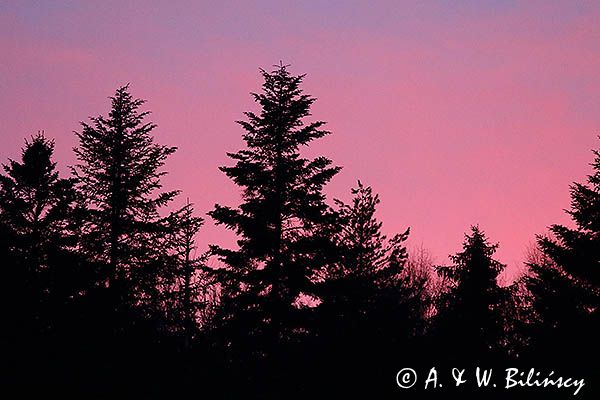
pixel 33 198
pixel 475 263
pixel 366 248
pixel 282 191
pixel 119 160
pixel 283 222
pixel 119 174
pixel 577 251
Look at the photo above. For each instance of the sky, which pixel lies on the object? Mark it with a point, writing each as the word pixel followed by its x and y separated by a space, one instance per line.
pixel 455 112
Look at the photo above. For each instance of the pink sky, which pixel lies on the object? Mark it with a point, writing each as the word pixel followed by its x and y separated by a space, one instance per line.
pixel 455 112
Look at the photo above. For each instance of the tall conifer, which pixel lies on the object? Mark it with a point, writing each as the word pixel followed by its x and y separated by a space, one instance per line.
pixel 119 175
pixel 470 324
pixel 565 283
pixel 282 223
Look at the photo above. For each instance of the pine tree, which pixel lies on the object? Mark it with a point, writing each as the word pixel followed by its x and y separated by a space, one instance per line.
pixel 469 324
pixel 119 175
pixel 283 222
pixel 565 283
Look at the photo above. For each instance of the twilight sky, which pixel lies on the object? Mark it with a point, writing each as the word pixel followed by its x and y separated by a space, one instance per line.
pixel 456 112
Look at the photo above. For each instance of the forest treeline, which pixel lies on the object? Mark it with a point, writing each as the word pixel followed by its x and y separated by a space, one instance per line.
pixel 106 294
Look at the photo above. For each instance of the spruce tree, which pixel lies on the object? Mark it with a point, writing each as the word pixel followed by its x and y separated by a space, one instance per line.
pixel 370 271
pixel 371 307
pixel 184 289
pixel 36 204
pixel 36 212
pixel 283 223
pixel 119 177
pixel 469 325
pixel 565 283
pixel 42 279
pixel 577 250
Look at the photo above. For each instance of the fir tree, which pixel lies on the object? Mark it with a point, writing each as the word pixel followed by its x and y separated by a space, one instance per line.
pixel 469 324
pixel 370 271
pixel 119 175
pixel 565 283
pixel 283 222
pixel 185 288
pixel 36 212
pixel 577 250
pixel 42 279
pixel 36 204
pixel 371 306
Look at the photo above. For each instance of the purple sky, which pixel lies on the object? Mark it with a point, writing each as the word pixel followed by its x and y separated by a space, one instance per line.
pixel 455 112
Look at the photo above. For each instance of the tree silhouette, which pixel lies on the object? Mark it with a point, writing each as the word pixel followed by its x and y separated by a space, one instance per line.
pixel 118 174
pixel 370 277
pixel 469 325
pixel 282 223
pixel 142 310
pixel 36 208
pixel 103 291
pixel 565 282
pixel 36 204
pixel 188 279
pixel 43 280
pixel 371 305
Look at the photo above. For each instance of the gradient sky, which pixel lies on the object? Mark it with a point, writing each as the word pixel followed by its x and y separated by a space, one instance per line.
pixel 456 112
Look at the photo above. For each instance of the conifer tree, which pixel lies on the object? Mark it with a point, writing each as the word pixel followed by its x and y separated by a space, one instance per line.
pixel 469 324
pixel 41 276
pixel 184 288
pixel 36 204
pixel 565 283
pixel 371 306
pixel 370 271
pixel 36 212
pixel 119 176
pixel 283 223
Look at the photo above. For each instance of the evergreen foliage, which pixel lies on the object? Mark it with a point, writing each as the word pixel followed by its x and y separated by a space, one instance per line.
pixel 118 174
pixel 470 324
pixel 283 223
